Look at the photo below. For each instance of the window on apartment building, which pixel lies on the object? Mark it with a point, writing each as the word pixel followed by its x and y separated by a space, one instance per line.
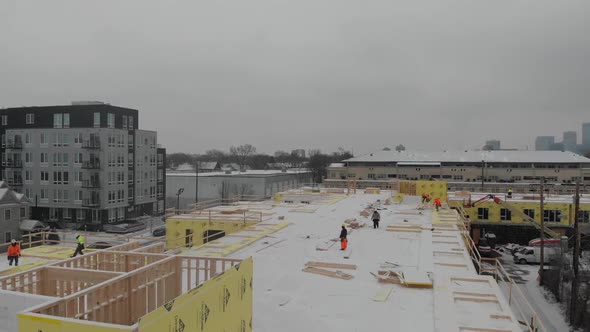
pixel 23 212
pixel 7 237
pixel 27 138
pixel 30 118
pixel 458 177
pixel 78 138
pixel 7 214
pixel 28 157
pixel 130 175
pixel 97 120
pixel 584 216
pixel 66 119
pixel 110 120
pixel 67 214
pixel 5 120
pixel 130 123
pixel 44 157
pixel 130 194
pixel 552 215
pixel 505 215
pixel 44 194
pixel 28 193
pixel 371 176
pixel 483 213
pixel 44 176
pixel 530 213
pixel 58 120
pixel 80 214
pixel 43 138
pixel 28 176
pixel 78 194
pixel 78 158
pixel 124 121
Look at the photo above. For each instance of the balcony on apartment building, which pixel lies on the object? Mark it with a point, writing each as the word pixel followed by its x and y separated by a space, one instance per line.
pixel 15 181
pixel 14 145
pixel 91 164
pixel 91 202
pixel 91 144
pixel 91 184
pixel 14 163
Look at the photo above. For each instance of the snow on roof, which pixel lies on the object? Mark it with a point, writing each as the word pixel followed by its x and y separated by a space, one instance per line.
pixel 288 298
pixel 336 165
pixel 248 173
pixel 473 157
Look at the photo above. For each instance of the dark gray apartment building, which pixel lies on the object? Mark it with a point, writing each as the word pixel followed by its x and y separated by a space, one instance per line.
pixel 82 163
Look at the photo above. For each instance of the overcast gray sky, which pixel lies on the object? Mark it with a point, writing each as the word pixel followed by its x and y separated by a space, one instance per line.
pixel 286 74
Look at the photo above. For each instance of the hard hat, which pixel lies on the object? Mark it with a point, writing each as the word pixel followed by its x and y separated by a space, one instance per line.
pixel 13 241
pixel 343 225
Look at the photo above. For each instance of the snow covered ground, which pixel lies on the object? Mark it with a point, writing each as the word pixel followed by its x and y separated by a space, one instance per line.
pixel 549 310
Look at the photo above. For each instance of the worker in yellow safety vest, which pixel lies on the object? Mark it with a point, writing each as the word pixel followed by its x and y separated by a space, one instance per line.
pixel 509 195
pixel 80 247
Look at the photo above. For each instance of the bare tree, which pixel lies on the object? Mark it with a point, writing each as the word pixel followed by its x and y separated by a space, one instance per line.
pixel 400 148
pixel 241 154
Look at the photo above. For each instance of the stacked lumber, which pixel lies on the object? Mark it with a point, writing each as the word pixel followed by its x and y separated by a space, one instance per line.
pixel 354 224
pixel 372 191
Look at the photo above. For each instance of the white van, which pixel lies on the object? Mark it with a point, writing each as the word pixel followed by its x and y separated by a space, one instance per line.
pixel 533 255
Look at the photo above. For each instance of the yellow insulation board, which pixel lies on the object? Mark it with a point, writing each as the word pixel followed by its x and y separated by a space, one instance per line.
pixel 28 322
pixel 231 248
pixel 221 304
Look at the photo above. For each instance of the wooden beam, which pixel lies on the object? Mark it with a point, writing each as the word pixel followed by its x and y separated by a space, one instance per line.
pixel 332 274
pixel 477 329
pixel 331 265
pixel 476 294
pixel 79 275
pixel 470 299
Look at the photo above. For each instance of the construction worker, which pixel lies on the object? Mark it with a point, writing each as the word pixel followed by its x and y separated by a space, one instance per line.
pixel 80 246
pixel 376 218
pixel 509 194
pixel 437 203
pixel 13 253
pixel 343 239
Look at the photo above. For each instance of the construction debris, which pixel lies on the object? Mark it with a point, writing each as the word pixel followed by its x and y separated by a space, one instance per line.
pixel 328 273
pixel 331 265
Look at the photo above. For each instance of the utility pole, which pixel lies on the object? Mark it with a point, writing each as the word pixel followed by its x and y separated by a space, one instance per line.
pixel 542 263
pixel 483 166
pixel 576 258
pixel 196 184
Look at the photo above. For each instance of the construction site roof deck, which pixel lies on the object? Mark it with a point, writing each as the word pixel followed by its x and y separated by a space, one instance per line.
pixel 413 273
pixel 418 271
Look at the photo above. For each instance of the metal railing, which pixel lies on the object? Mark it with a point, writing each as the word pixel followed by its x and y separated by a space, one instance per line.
pixel 94 144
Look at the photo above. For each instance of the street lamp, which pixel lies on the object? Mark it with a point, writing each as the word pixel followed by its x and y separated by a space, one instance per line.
pixel 180 191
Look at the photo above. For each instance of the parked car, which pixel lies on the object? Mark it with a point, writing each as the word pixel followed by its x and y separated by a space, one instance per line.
pixel 160 231
pixel 533 255
pixel 100 245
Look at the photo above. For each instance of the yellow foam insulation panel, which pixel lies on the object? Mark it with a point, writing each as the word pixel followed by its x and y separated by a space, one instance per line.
pixel 222 304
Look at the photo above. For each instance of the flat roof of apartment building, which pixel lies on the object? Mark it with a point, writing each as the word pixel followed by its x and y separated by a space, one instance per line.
pixel 504 156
